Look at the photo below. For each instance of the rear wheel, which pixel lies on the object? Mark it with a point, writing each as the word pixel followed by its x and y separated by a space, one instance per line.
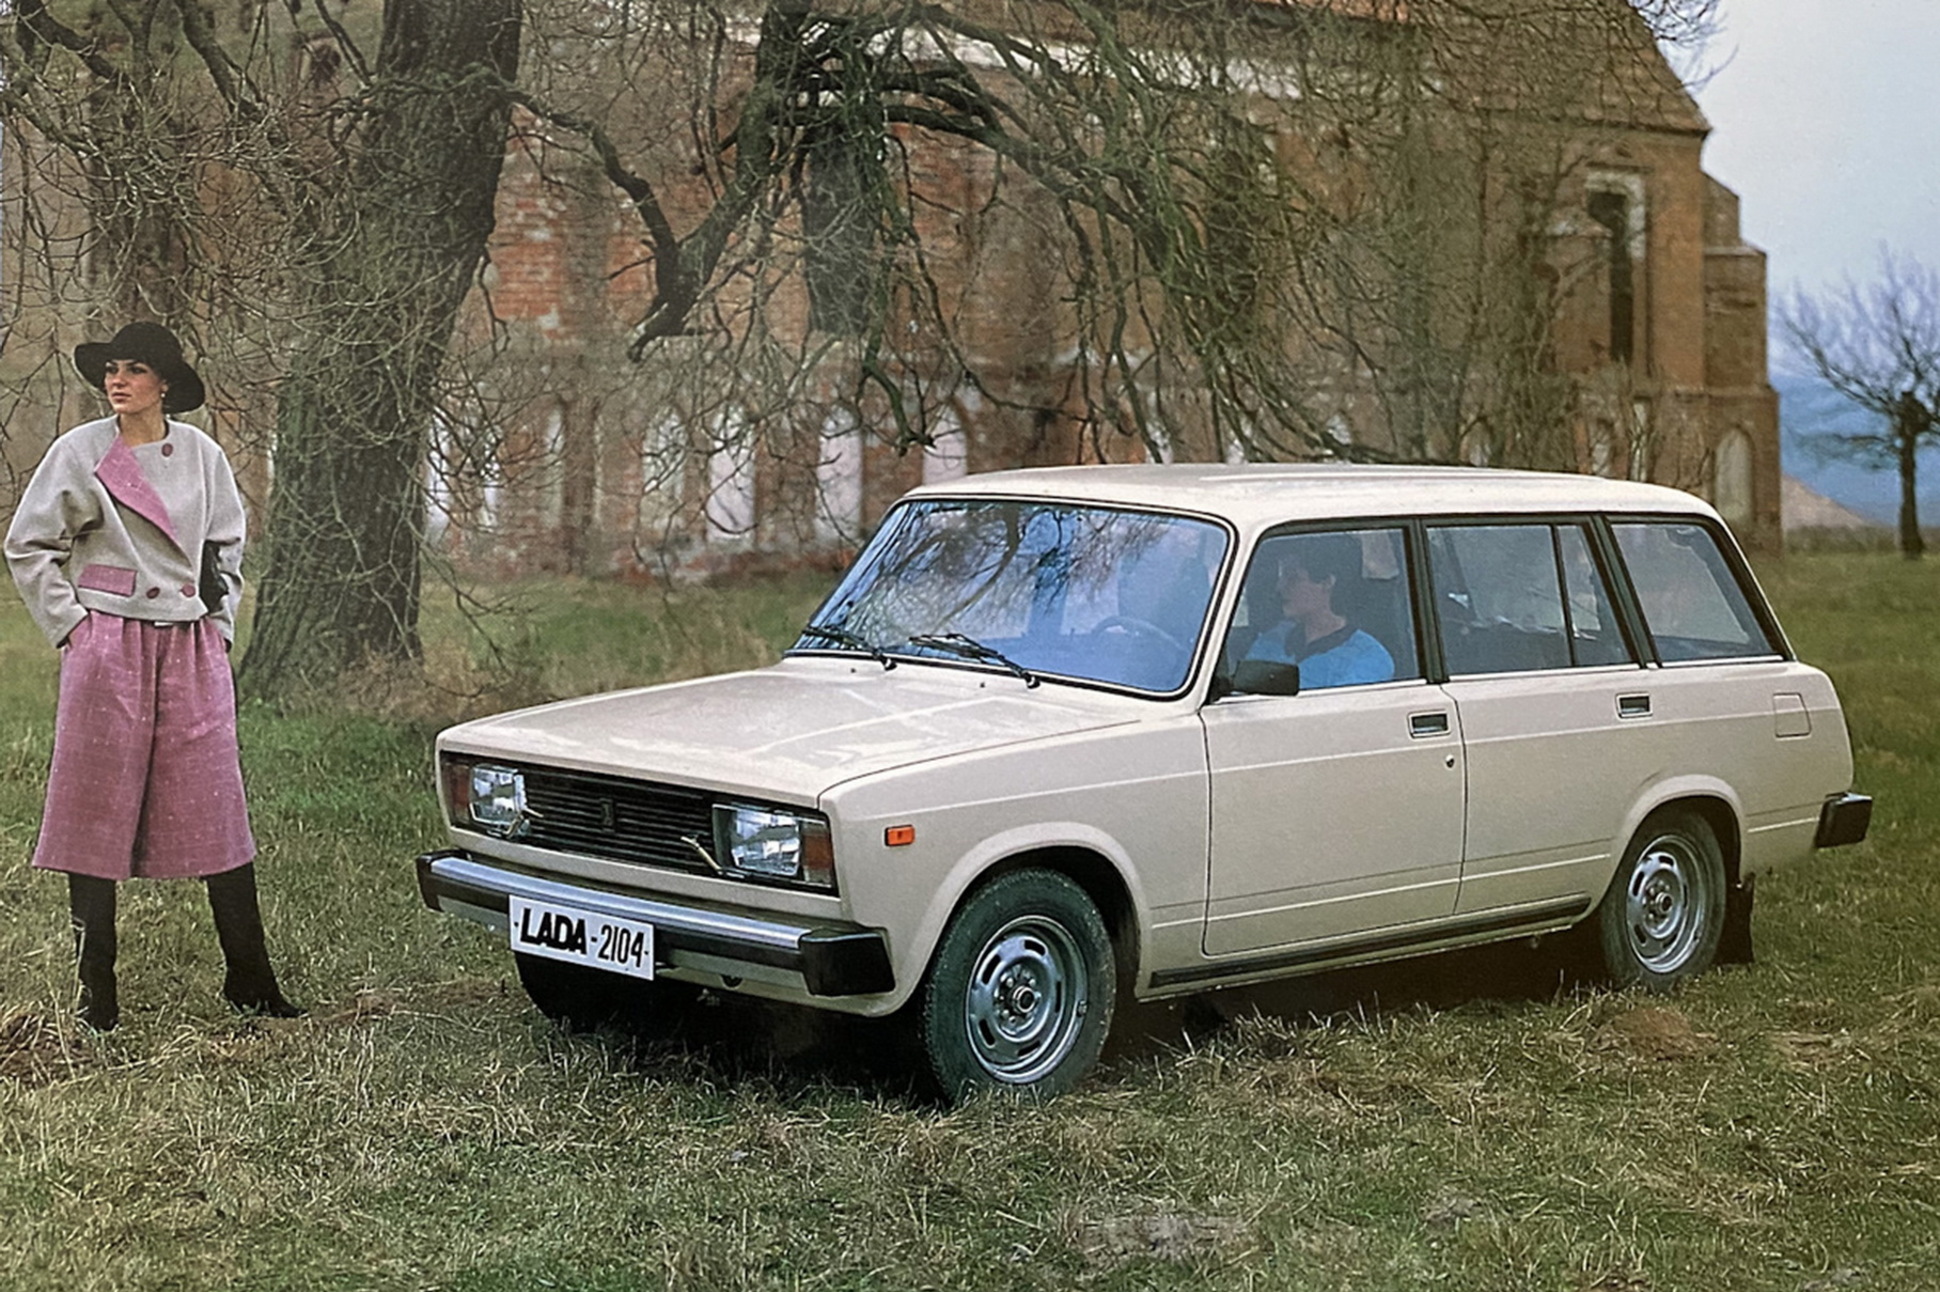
pixel 1663 915
pixel 579 999
pixel 1020 994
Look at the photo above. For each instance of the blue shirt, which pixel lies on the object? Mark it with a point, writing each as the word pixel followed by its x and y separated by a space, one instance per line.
pixel 1349 657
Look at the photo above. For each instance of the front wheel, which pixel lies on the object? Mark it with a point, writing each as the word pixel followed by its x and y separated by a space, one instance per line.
pixel 1020 994
pixel 1661 919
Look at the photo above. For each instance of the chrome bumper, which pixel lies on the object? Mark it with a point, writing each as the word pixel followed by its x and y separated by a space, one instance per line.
pixel 843 960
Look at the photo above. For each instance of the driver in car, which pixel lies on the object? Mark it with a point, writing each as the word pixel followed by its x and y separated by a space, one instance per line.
pixel 1315 571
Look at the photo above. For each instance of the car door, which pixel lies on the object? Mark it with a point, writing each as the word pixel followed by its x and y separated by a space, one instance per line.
pixel 1554 708
pixel 1336 811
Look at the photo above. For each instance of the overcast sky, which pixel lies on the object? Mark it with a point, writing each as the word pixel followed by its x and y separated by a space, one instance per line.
pixel 1825 117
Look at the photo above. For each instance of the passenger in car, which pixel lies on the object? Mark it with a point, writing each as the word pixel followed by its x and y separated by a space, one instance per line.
pixel 1330 649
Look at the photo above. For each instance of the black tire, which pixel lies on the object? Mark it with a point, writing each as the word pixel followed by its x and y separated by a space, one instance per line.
pixel 580 999
pixel 1019 996
pixel 1660 922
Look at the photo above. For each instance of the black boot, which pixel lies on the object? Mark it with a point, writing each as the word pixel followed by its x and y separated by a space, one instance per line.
pixel 91 905
pixel 249 984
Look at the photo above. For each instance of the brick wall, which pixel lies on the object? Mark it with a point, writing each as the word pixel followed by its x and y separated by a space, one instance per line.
pixel 605 466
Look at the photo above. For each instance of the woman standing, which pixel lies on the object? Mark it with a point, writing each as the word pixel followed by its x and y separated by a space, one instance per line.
pixel 127 548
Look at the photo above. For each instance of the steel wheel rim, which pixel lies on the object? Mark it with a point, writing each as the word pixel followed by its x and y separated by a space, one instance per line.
pixel 1666 904
pixel 1026 999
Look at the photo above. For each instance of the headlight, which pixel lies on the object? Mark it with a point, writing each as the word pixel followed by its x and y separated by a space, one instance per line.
pixel 498 798
pixel 771 844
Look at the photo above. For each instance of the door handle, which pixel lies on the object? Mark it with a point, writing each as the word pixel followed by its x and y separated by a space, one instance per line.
pixel 1427 724
pixel 1633 706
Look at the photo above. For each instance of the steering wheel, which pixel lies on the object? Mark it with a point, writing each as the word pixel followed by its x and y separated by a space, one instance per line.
pixel 1138 627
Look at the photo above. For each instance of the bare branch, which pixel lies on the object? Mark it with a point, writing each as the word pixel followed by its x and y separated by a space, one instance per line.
pixel 35 18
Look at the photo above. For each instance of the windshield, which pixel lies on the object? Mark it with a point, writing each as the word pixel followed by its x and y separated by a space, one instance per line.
pixel 1049 589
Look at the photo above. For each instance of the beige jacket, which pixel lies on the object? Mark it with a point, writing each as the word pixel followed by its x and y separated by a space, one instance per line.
pixel 103 526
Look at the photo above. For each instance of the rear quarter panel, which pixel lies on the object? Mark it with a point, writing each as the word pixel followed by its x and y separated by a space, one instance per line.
pixel 1767 738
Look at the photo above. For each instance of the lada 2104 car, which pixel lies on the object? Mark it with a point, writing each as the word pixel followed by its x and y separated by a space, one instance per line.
pixel 1061 734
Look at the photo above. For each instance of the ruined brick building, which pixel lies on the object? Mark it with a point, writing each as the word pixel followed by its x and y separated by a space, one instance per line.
pixel 602 468
pixel 563 453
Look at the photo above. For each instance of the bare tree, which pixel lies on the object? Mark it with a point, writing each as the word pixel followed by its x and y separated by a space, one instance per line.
pixel 1241 216
pixel 1246 210
pixel 257 175
pixel 1878 344
pixel 384 264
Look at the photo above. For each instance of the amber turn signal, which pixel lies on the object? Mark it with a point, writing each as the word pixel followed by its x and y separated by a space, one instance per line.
pixel 899 836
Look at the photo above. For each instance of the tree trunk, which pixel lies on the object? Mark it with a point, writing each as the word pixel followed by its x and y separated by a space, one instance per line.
pixel 391 260
pixel 1909 420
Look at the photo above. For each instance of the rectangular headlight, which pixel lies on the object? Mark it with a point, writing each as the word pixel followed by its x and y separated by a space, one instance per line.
pixel 498 798
pixel 769 843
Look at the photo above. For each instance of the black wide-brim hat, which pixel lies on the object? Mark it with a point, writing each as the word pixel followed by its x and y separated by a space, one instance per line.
pixel 148 343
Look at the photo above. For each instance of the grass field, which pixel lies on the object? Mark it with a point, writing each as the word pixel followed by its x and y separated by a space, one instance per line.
pixel 1458 1122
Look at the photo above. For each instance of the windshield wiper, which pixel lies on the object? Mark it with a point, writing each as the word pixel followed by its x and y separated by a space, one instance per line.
pixel 970 648
pixel 854 641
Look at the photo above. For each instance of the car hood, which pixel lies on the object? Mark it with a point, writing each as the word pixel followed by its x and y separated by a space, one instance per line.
pixel 794 730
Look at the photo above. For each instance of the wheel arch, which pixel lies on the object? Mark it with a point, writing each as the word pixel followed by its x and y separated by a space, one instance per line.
pixel 1716 811
pixel 1657 934
pixel 1091 871
pixel 1725 826
pixel 1712 801
pixel 998 1007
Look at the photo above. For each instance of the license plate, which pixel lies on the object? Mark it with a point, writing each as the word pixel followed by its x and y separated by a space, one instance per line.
pixel 582 937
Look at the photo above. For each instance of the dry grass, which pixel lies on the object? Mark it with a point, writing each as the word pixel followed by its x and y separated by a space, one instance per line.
pixel 1461 1122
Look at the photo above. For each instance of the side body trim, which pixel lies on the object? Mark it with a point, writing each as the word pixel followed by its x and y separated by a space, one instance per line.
pixel 1389 945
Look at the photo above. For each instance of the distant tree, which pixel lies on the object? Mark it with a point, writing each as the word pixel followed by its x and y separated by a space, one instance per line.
pixel 1878 344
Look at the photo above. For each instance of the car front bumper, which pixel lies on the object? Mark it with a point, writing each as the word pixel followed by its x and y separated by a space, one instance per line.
pixel 822 960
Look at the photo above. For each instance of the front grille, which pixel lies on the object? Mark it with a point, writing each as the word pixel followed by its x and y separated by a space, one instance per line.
pixel 623 820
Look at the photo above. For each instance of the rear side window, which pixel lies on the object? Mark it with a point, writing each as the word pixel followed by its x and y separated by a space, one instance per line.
pixel 1517 598
pixel 1595 637
pixel 1691 599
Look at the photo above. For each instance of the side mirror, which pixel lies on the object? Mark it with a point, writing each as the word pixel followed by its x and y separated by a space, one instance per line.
pixel 1264 677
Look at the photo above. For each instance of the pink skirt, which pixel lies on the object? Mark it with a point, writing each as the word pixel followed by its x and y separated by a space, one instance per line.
pixel 146 777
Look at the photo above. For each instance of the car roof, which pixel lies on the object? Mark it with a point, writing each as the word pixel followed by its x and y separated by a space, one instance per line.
pixel 1259 493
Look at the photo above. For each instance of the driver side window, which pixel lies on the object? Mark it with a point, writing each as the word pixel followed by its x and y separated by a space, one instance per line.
pixel 1335 602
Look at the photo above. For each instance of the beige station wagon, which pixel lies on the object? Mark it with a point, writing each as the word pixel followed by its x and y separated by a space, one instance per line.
pixel 1064 734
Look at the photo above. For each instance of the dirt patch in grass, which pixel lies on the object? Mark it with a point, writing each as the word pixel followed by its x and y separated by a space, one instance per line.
pixel 1655 1033
pixel 372 1003
pixel 1805 1051
pixel 36 1052
pixel 1448 1210
pixel 1110 1241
